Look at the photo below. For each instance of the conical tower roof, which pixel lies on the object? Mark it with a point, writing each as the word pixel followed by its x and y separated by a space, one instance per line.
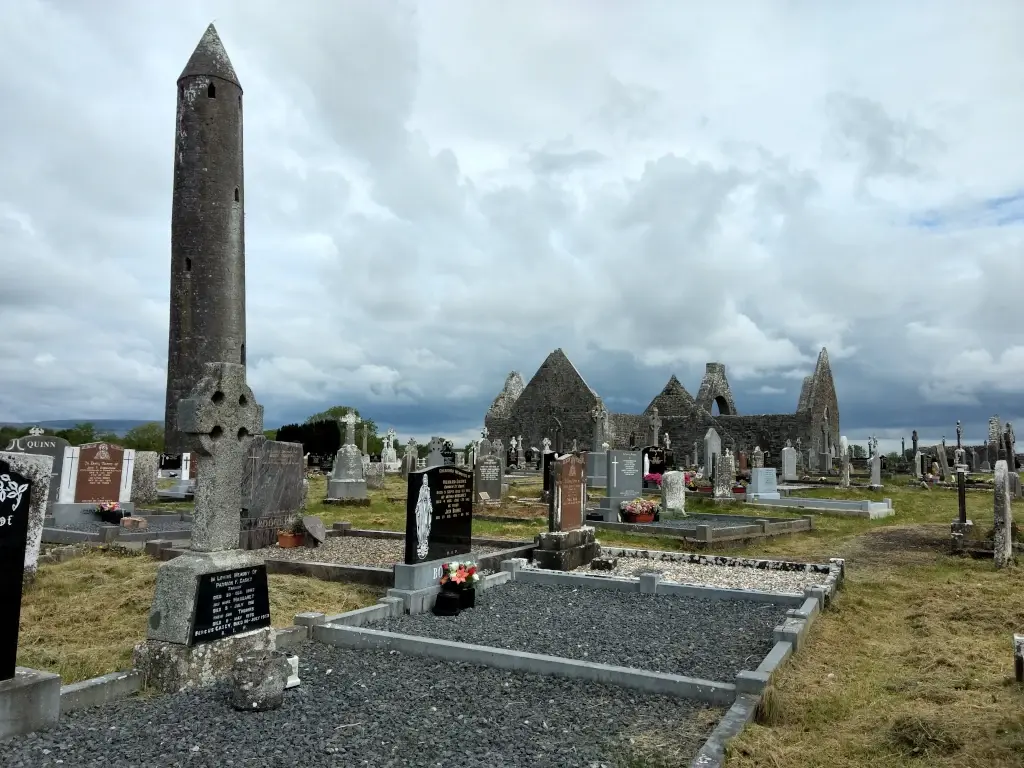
pixel 209 59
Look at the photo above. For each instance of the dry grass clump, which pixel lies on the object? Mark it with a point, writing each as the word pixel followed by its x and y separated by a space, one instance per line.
pixel 81 618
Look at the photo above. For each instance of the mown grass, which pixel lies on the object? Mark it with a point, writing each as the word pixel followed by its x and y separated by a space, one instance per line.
pixel 81 618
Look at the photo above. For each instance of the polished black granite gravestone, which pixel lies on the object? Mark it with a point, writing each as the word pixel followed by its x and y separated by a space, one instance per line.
pixel 45 445
pixel 657 459
pixel 439 514
pixel 15 492
pixel 230 603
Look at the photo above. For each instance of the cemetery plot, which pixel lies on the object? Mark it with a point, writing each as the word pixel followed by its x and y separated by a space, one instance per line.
pixel 713 527
pixel 697 637
pixel 352 550
pixel 375 708
pixel 89 522
pixel 727 573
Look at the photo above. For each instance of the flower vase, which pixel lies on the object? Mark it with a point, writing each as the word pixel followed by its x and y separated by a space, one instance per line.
pixel 467 598
pixel 447 603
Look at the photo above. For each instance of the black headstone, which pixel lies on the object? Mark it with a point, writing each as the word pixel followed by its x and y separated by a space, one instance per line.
pixel 448 455
pixel 15 493
pixel 546 469
pixel 657 458
pixel 438 514
pixel 229 603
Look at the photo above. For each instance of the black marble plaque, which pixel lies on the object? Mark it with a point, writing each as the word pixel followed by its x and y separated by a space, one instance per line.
pixel 229 603
pixel 438 514
pixel 657 458
pixel 487 479
pixel 15 492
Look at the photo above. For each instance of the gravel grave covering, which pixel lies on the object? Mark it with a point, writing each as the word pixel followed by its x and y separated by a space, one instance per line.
pixel 711 521
pixel 709 639
pixel 351 550
pixel 710 575
pixel 384 710
pixel 89 523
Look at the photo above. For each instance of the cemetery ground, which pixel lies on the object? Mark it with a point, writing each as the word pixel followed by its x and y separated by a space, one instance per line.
pixel 82 617
pixel 910 666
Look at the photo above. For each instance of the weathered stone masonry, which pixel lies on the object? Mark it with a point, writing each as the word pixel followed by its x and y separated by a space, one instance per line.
pixel 558 395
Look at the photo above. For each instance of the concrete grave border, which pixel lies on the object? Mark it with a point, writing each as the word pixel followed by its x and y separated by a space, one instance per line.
pixel 111 533
pixel 748 528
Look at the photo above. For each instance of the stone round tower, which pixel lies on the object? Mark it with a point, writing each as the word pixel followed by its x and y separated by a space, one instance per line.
pixel 207 226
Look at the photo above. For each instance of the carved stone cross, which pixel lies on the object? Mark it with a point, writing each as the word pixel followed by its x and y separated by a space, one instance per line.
pixel 219 419
pixel 350 420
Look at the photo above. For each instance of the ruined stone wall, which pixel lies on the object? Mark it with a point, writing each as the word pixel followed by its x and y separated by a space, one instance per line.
pixel 620 425
pixel 769 431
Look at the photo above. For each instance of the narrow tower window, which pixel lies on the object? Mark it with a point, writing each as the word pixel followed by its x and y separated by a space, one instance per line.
pixel 243 355
pixel 236 194
pixel 211 91
pixel 188 264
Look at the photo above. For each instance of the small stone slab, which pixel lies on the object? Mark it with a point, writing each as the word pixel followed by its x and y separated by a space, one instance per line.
pixel 315 527
pixel 258 681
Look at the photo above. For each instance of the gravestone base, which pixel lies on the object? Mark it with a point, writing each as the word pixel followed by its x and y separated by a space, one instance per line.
pixel 173 667
pixel 608 507
pixel 29 701
pixel 346 490
pixel 69 514
pixel 566 550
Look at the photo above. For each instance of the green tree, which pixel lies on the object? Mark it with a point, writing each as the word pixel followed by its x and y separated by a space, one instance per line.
pixel 80 433
pixel 374 443
pixel 145 437
pixel 10 433
pixel 858 452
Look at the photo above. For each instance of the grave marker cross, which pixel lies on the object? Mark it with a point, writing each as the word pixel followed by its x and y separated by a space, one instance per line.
pixel 218 420
pixel 350 420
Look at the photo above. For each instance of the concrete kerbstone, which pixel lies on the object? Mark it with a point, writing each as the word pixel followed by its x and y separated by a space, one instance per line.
pixel 29 701
pixel 501 658
pixel 99 690
pixel 712 754
pixel 649 582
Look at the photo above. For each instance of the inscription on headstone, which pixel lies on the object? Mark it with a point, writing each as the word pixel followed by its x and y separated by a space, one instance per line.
pixel 45 445
pixel 439 514
pixel 487 479
pixel 565 511
pixel 271 490
pixel 15 492
pixel 229 603
pixel 99 473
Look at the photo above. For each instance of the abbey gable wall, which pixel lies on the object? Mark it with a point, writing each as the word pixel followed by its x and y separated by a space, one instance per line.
pixel 558 403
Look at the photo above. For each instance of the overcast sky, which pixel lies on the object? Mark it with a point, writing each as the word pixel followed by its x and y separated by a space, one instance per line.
pixel 439 193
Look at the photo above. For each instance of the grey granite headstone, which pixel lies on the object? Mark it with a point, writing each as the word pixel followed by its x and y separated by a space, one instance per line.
pixel 712 449
pixel 625 481
pixel 487 480
pixel 347 480
pixel 375 475
pixel 315 527
pixel 45 445
pixel 763 484
pixel 943 461
pixel 788 464
pixel 673 493
pixel 271 489
pixel 144 474
pixel 1002 516
pixel 876 471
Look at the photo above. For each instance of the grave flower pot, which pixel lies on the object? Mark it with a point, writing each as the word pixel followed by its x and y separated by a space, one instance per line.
pixel 638 517
pixel 467 598
pixel 287 539
pixel 448 603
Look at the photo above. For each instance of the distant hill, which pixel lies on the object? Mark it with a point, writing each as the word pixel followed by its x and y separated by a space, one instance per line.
pixel 103 426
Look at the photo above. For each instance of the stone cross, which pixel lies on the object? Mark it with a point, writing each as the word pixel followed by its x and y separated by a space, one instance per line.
pixel 654 426
pixel 350 420
pixel 913 441
pixel 484 432
pixel 218 420
pixel 959 433
pixel 512 443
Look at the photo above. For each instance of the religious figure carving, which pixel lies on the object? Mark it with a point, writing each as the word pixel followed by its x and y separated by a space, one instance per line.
pixel 424 517
pixel 668 441
pixel 959 433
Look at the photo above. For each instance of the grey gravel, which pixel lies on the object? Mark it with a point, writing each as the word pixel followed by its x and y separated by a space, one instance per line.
pixel 709 639
pixel 380 709
pixel 89 523
pixel 350 550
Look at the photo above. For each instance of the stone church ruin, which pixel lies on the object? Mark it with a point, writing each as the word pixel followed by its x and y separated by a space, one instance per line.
pixel 558 404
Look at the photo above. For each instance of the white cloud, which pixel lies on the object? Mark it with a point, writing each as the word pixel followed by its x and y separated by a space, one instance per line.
pixel 438 193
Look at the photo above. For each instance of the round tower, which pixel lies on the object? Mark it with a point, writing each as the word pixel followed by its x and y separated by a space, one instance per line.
pixel 207 322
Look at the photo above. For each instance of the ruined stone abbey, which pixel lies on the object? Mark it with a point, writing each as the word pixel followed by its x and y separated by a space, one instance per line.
pixel 558 402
